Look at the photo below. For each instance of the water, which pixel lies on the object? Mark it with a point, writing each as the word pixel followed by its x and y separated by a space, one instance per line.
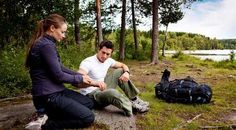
pixel 216 55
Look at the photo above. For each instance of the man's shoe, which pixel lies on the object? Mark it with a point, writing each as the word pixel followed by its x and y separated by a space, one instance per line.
pixel 128 114
pixel 140 102
pixel 36 125
pixel 139 108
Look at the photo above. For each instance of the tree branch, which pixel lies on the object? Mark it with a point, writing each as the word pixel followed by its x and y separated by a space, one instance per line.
pixel 187 122
pixel 233 126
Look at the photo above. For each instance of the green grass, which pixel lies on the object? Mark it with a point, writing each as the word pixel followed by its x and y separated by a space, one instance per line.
pixel 220 76
pixel 167 116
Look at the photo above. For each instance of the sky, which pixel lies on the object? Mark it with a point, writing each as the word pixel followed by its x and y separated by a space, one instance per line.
pixel 212 18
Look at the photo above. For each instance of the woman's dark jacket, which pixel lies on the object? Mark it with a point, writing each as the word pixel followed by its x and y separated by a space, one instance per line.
pixel 46 70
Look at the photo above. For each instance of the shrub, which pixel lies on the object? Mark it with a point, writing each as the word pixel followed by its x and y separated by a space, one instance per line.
pixel 178 54
pixel 226 64
pixel 14 79
pixel 72 55
pixel 232 56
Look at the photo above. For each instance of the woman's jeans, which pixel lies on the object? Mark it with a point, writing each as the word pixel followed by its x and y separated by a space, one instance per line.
pixel 66 109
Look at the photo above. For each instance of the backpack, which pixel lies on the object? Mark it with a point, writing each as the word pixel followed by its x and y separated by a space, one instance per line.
pixel 185 90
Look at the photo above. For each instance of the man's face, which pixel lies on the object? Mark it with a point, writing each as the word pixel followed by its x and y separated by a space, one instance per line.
pixel 103 54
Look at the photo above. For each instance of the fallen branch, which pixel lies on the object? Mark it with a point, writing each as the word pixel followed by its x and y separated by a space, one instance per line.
pixel 187 122
pixel 234 109
pixel 16 98
pixel 233 126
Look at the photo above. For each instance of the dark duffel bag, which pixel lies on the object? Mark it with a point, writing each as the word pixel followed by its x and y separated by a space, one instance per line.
pixel 182 90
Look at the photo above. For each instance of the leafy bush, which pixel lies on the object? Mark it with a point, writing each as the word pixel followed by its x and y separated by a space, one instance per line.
pixel 14 78
pixel 184 57
pixel 72 55
pixel 179 54
pixel 232 56
pixel 226 64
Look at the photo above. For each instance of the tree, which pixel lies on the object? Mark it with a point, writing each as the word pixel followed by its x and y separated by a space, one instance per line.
pixel 147 10
pixel 139 9
pixel 103 12
pixel 154 56
pixel 99 23
pixel 77 27
pixel 19 18
pixel 134 30
pixel 122 33
pixel 170 12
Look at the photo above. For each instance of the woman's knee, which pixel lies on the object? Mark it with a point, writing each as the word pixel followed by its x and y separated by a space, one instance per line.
pixel 89 119
pixel 90 104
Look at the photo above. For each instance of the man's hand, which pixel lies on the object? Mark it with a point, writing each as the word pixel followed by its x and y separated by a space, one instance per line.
pixel 124 77
pixel 101 85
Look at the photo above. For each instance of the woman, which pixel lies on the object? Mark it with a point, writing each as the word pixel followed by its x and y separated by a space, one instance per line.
pixel 65 108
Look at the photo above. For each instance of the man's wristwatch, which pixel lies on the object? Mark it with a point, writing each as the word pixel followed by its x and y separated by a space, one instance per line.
pixel 127 71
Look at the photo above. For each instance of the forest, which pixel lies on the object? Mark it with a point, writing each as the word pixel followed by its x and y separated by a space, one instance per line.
pixel 19 19
pixel 228 43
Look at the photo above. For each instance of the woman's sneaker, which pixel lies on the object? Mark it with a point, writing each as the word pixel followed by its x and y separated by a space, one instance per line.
pixel 140 102
pixel 36 125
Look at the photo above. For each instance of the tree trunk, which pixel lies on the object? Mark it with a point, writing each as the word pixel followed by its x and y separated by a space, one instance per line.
pixel 99 25
pixel 154 56
pixel 164 43
pixel 134 31
pixel 122 33
pixel 77 27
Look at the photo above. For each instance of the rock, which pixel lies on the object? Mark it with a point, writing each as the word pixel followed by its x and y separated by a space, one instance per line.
pixel 16 116
pixel 115 119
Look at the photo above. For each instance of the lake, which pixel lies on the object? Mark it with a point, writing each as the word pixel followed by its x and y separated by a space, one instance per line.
pixel 216 55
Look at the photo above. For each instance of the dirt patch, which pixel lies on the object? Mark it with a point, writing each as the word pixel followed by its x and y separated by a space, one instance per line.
pixel 231 117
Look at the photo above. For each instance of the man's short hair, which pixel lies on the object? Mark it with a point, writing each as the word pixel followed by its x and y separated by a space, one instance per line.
pixel 107 44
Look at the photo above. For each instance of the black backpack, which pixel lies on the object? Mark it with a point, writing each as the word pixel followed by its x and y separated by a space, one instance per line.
pixel 182 90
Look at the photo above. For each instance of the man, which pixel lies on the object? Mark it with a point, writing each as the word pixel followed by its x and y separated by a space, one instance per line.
pixel 102 88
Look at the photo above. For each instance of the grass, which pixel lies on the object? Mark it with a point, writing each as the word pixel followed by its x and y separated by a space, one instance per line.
pixel 220 76
pixel 167 116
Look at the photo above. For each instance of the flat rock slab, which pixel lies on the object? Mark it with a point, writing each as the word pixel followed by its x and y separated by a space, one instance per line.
pixel 115 119
pixel 12 116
